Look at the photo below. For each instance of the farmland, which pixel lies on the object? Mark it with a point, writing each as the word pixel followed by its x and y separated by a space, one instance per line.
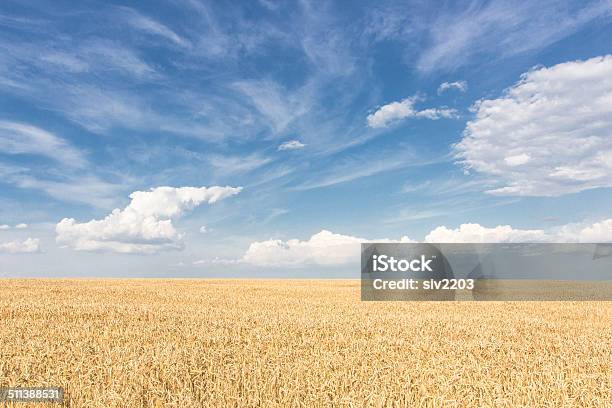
pixel 193 343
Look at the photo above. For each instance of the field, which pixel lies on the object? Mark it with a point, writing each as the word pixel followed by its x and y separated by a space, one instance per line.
pixel 201 343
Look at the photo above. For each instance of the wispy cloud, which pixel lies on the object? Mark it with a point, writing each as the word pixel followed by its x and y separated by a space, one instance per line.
pixel 151 26
pixel 22 138
pixel 275 103
pixel 104 54
pixel 228 165
pixel 327 45
pixel 273 214
pixel 73 186
pixel 355 167
pixel 501 28
pixel 217 39
pixel 350 172
pixel 64 59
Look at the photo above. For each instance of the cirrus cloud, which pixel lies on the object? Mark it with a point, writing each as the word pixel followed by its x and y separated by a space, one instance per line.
pixel 22 138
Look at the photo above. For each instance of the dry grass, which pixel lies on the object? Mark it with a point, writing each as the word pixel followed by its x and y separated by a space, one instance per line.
pixel 194 343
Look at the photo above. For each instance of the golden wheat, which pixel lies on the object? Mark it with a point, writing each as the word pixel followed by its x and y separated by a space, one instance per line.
pixel 201 343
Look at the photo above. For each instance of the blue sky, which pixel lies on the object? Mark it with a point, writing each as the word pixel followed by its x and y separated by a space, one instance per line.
pixel 322 125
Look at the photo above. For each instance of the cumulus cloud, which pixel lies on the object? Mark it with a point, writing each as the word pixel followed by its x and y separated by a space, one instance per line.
pixel 598 232
pixel 145 225
pixel 461 86
pixel 476 233
pixel 548 135
pixel 21 138
pixel 329 249
pixel 291 145
pixel 396 111
pixel 21 226
pixel 203 229
pixel 323 248
pixel 218 261
pixel 4 227
pixel 30 245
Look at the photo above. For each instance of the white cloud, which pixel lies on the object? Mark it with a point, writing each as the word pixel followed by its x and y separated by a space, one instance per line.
pixel 30 245
pixel 461 86
pixel 228 165
pixel 436 113
pixel 108 55
pixel 329 249
pixel 548 135
pixel 323 248
pixel 21 226
pixel 517 160
pixel 476 233
pixel 354 167
pixel 65 57
pixel 151 26
pixel 21 138
pixel 274 102
pixel 66 61
pixel 353 170
pixel 269 4
pixel 291 145
pixel 274 213
pixel 4 227
pixel 598 232
pixel 461 33
pixel 203 229
pixel 101 108
pixel 218 261
pixel 145 225
pixel 396 111
pixel 81 188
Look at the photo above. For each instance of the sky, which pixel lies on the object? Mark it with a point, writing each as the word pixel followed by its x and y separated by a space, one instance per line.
pixel 268 139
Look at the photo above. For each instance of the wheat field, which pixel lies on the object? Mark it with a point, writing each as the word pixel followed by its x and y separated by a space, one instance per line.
pixel 296 343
